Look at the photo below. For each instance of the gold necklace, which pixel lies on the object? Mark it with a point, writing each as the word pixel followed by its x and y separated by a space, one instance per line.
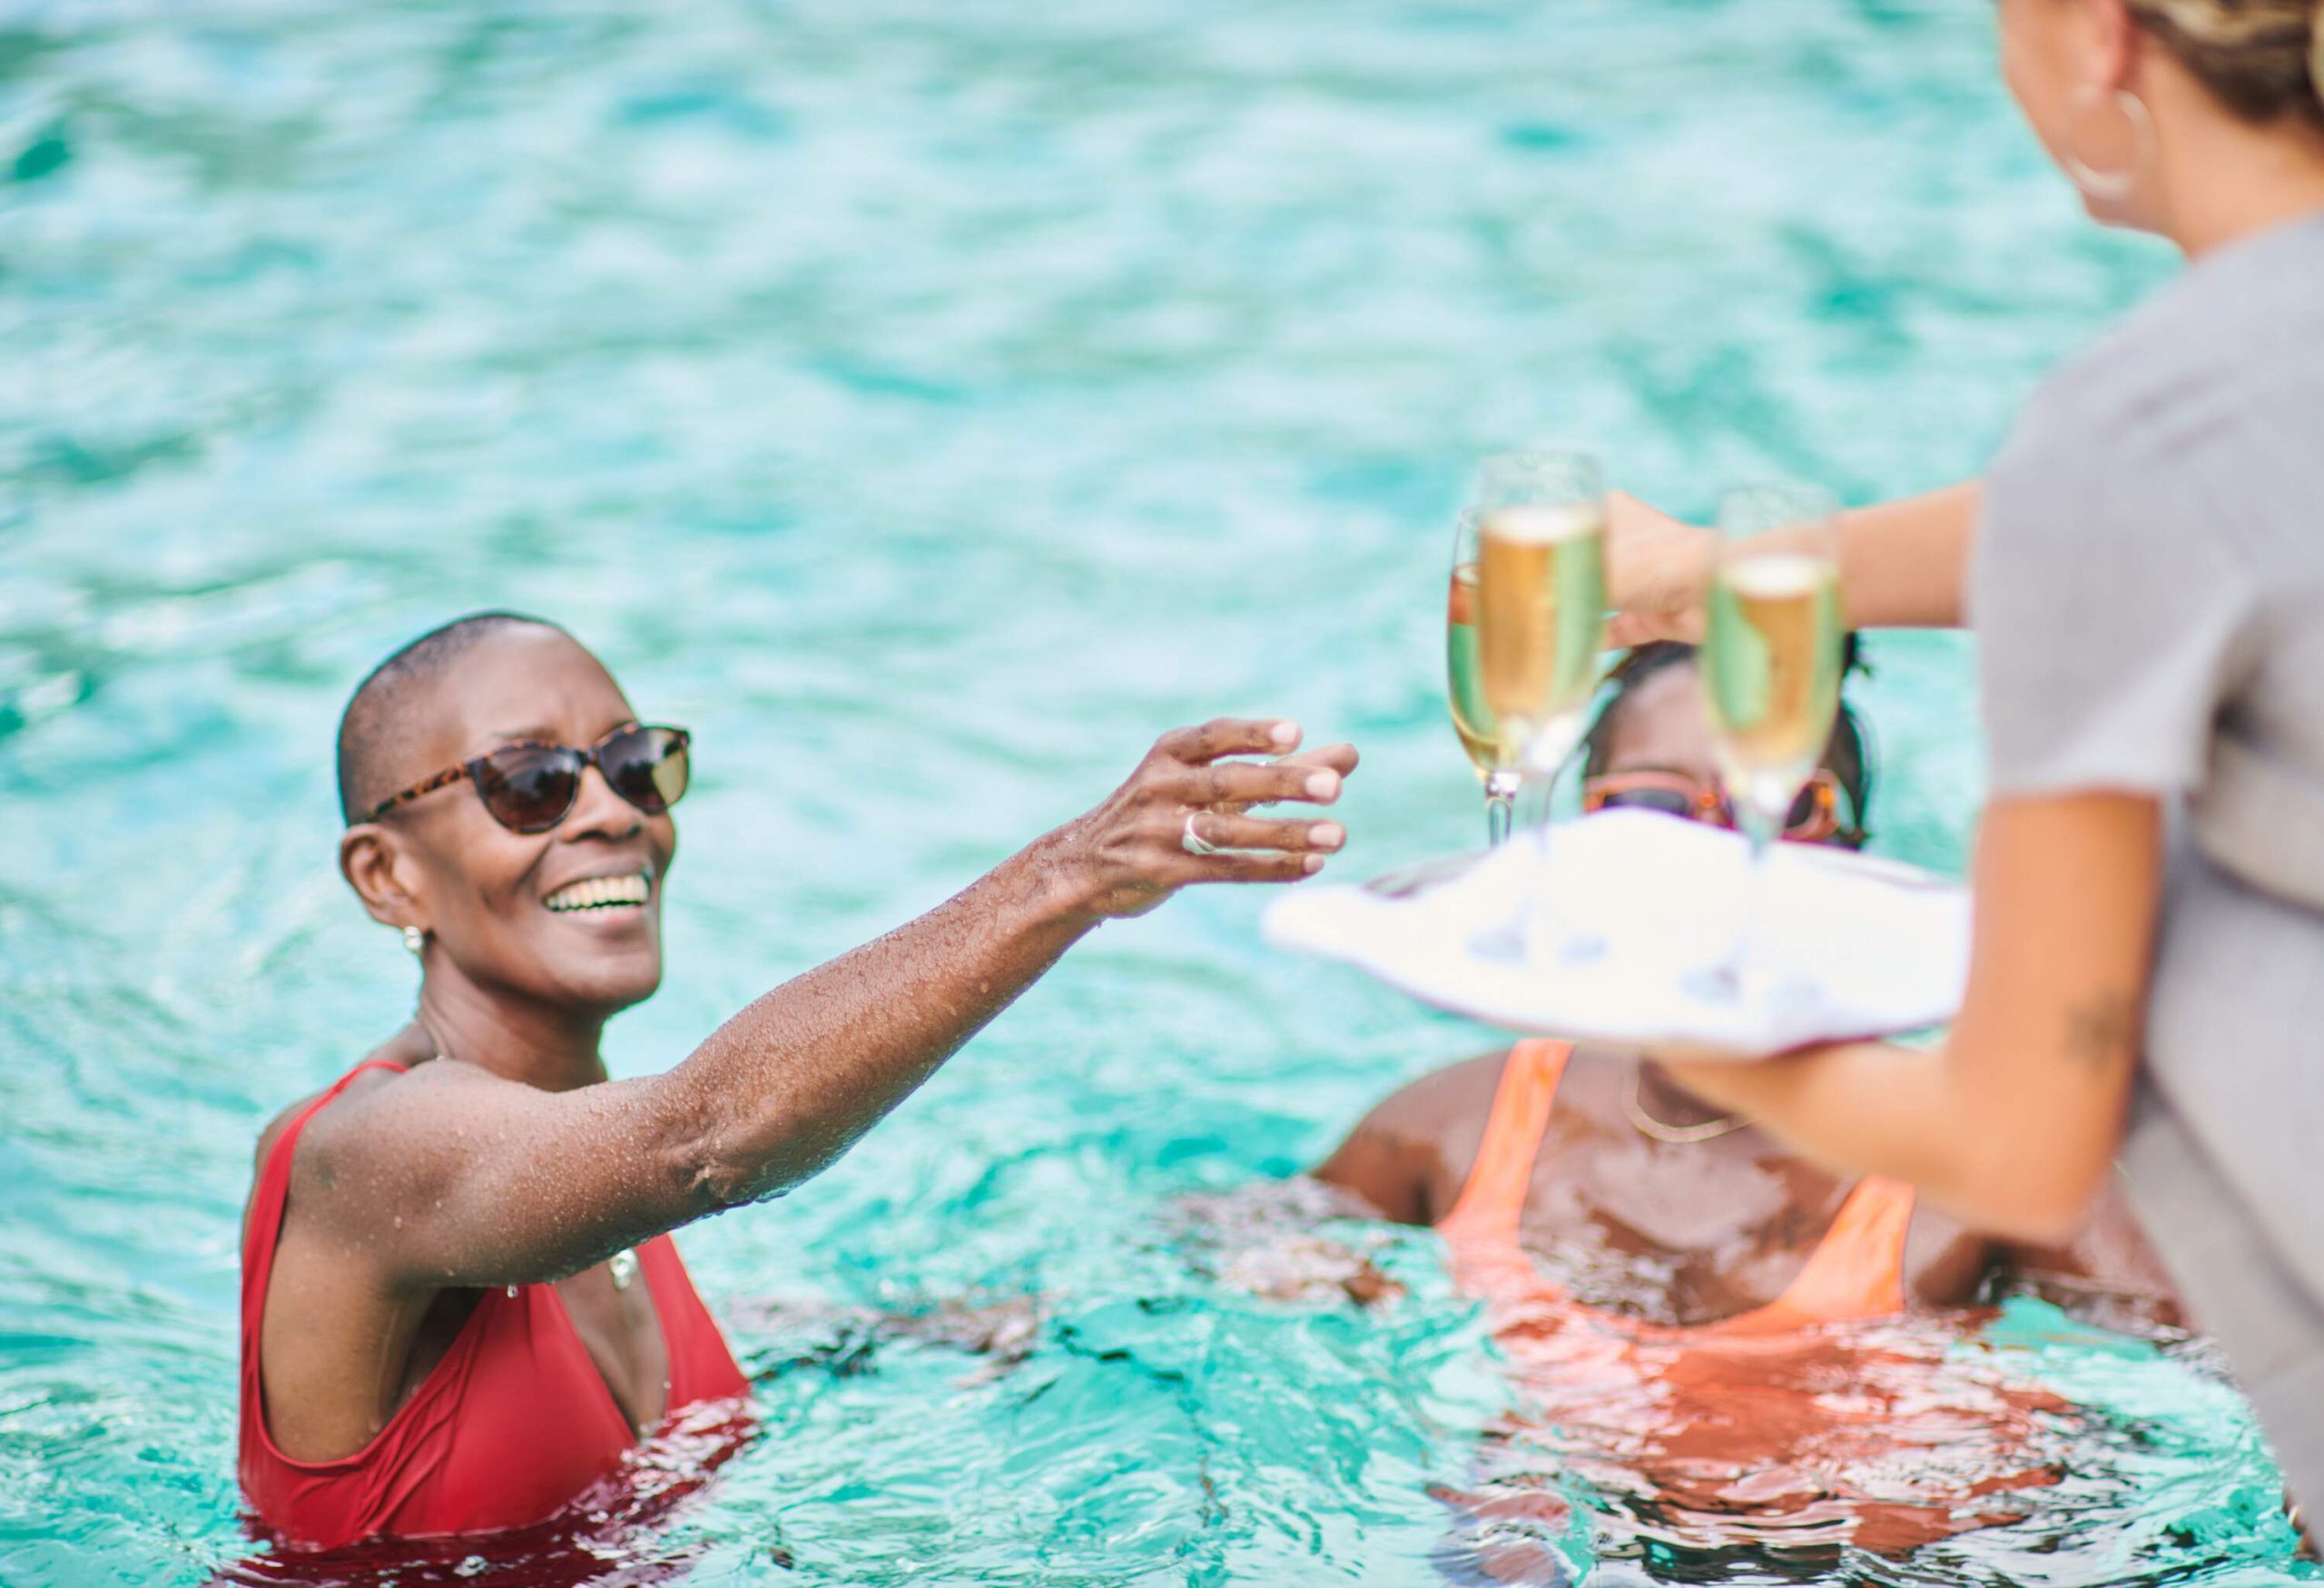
pixel 1647 1124
pixel 622 1267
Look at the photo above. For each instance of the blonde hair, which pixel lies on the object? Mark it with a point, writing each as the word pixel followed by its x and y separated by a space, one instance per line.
pixel 2263 59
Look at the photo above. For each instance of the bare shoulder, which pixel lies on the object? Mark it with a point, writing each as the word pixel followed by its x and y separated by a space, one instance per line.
pixel 367 1123
pixel 1455 1101
pixel 1436 1102
pixel 1400 1157
pixel 271 1134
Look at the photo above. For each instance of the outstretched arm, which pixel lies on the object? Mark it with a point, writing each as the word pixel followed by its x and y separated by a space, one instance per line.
pixel 454 1177
pixel 2011 1125
pixel 1903 565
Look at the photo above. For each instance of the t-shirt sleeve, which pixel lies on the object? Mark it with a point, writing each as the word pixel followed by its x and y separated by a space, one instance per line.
pixel 2113 617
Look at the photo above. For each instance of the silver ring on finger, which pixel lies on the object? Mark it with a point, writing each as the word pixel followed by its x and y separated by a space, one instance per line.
pixel 1192 842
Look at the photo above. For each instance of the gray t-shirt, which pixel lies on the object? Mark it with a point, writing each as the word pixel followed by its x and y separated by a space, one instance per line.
pixel 2149 597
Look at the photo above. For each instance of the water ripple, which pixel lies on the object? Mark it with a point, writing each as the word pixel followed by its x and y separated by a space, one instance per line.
pixel 930 402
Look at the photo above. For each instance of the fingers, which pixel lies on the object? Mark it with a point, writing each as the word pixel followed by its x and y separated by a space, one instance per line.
pixel 1251 832
pixel 1251 850
pixel 1243 783
pixel 1190 777
pixel 1337 759
pixel 1229 735
pixel 1248 866
pixel 1340 758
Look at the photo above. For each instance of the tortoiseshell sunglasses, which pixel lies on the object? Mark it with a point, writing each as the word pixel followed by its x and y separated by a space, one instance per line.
pixel 530 787
pixel 1815 815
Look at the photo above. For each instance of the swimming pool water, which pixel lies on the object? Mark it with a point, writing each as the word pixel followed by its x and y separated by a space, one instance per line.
pixel 929 402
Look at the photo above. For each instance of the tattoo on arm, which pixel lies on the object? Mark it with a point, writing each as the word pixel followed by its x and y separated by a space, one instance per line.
pixel 2102 1030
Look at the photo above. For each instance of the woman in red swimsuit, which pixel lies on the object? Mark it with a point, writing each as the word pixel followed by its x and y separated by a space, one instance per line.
pixel 461 1308
pixel 1735 1351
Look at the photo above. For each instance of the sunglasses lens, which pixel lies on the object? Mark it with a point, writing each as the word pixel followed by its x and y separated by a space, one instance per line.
pixel 647 767
pixel 1669 801
pixel 1806 811
pixel 529 790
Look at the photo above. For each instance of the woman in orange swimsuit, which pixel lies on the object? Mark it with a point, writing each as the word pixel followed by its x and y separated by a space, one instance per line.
pixel 1730 1345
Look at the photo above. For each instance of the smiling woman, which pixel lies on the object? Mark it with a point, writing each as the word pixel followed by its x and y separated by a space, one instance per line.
pixel 442 1328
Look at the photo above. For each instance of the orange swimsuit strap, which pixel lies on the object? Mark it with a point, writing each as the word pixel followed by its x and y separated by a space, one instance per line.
pixel 1856 1271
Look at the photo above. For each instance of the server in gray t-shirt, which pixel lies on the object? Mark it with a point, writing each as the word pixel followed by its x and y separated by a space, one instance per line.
pixel 2149 589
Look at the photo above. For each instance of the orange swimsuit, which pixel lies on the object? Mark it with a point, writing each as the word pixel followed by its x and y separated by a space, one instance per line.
pixel 1856 1272
pixel 1822 1418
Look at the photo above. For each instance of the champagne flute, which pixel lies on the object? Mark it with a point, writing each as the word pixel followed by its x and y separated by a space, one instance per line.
pixel 1771 671
pixel 1498 757
pixel 1540 598
pixel 1541 605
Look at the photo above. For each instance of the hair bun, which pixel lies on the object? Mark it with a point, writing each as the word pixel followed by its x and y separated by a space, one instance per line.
pixel 2316 52
pixel 2263 60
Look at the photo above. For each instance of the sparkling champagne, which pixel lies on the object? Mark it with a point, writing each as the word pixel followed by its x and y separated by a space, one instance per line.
pixel 1541 616
pixel 1772 671
pixel 1489 750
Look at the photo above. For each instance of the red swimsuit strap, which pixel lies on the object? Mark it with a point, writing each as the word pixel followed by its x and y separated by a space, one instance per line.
pixel 1855 1271
pixel 263 1225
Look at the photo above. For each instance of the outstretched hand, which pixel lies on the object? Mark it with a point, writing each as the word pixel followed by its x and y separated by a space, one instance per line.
pixel 1132 851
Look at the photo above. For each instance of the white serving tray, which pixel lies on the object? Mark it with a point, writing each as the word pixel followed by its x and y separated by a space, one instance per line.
pixel 1844 946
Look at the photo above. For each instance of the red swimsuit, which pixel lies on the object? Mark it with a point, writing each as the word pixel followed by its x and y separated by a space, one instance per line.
pixel 512 1424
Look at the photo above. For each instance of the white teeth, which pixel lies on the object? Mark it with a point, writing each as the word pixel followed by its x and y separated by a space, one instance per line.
pixel 601 892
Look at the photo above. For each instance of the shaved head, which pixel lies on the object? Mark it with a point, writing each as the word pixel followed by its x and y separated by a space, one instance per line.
pixel 381 722
pixel 476 889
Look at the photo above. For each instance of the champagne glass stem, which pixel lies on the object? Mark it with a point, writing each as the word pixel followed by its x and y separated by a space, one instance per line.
pixel 1742 961
pixel 1551 939
pixel 1500 804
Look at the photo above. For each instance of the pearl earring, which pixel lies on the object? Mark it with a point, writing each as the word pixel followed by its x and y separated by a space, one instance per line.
pixel 415 940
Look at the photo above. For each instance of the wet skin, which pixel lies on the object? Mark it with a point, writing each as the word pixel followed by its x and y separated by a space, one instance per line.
pixel 506 1157
pixel 1693 1233
pixel 1865 1436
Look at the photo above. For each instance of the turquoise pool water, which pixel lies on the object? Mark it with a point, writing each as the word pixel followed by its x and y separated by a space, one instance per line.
pixel 929 400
